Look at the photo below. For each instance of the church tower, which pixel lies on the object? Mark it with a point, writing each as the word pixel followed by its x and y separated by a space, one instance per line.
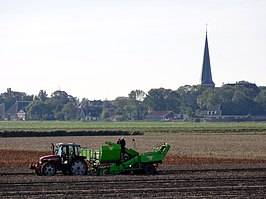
pixel 206 74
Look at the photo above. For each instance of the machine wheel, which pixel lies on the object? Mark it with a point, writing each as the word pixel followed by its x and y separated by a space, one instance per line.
pixel 149 169
pixel 78 167
pixel 48 169
pixel 103 171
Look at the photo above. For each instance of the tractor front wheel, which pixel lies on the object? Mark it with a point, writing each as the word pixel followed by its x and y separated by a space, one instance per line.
pixel 48 169
pixel 78 167
pixel 149 169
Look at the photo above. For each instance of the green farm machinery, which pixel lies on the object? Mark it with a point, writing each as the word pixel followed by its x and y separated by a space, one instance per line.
pixel 111 158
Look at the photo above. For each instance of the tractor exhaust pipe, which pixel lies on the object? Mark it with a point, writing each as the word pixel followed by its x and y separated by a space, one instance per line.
pixel 134 143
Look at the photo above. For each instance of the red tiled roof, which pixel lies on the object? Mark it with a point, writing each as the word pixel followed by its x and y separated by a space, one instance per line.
pixel 159 113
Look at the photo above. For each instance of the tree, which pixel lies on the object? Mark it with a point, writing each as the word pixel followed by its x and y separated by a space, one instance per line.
pixel 136 108
pixel 188 99
pixel 208 99
pixel 120 103
pixel 85 105
pixel 129 111
pixel 106 114
pixel 163 100
pixel 242 103
pixel 226 94
pixel 137 95
pixel 42 95
pixel 108 110
pixel 235 99
pixel 70 111
pixel 60 96
pixel 57 106
pixel 35 110
pixel 241 98
pixel 260 101
pixel 11 97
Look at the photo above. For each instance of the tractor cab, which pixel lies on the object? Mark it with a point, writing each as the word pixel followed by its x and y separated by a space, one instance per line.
pixel 66 152
pixel 65 158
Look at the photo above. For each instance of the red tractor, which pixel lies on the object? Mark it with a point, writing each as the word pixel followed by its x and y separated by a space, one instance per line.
pixel 65 158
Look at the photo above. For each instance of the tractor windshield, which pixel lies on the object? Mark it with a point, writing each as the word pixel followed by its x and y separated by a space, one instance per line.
pixel 58 150
pixel 73 150
pixel 70 150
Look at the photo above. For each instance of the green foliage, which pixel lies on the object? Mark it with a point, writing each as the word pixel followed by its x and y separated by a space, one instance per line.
pixel 242 98
pixel 260 100
pixel 11 97
pixel 235 99
pixel 60 106
pixel 189 99
pixel 36 109
pixel 163 100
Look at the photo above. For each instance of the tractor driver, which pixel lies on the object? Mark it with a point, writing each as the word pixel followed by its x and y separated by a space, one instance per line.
pixel 122 142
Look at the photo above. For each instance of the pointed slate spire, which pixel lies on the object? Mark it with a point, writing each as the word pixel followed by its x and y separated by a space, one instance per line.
pixel 206 75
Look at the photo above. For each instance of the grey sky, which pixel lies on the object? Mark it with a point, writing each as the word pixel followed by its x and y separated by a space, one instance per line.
pixel 104 49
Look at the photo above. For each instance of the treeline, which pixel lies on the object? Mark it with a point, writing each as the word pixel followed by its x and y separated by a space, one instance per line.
pixel 242 98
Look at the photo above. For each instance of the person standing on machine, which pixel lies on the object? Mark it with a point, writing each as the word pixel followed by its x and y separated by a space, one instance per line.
pixel 122 142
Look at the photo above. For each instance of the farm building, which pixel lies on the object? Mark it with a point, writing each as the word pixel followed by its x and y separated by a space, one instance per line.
pixel 91 111
pixel 220 113
pixel 161 116
pixel 16 111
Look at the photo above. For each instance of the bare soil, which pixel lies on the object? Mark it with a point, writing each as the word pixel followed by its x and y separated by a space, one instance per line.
pixel 201 145
pixel 197 166
pixel 207 181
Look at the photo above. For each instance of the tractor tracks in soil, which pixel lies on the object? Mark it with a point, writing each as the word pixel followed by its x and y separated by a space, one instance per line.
pixel 166 184
pixel 162 172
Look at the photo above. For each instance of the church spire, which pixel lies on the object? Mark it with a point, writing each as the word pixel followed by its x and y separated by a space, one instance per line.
pixel 206 75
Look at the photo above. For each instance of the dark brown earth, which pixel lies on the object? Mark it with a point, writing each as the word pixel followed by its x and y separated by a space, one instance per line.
pixel 178 177
pixel 199 166
pixel 229 181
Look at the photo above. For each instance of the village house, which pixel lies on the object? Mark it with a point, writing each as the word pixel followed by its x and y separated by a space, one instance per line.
pixel 16 111
pixel 161 116
pixel 218 113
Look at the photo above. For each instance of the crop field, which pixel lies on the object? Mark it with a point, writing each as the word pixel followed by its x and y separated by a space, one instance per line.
pixel 143 127
pixel 205 160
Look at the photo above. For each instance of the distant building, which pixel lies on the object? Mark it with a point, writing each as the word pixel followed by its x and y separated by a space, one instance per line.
pixel 215 111
pixel 161 116
pixel 218 113
pixel 16 111
pixel 3 109
pixel 206 74
pixel 91 111
pixel 94 110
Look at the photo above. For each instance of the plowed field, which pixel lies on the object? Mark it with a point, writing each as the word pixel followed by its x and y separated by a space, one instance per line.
pixel 171 182
pixel 196 166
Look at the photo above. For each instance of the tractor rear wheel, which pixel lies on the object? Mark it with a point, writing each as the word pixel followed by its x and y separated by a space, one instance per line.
pixel 78 167
pixel 149 169
pixel 48 169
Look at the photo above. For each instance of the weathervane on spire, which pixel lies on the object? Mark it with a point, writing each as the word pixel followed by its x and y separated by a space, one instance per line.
pixel 206 75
